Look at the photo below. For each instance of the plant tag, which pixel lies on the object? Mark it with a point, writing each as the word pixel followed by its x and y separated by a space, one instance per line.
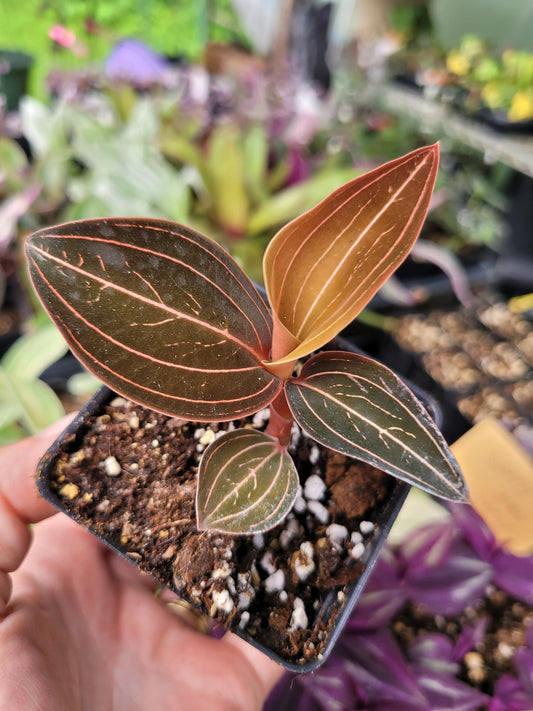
pixel 499 474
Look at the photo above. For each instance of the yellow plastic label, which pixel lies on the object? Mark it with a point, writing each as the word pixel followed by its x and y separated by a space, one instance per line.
pixel 499 474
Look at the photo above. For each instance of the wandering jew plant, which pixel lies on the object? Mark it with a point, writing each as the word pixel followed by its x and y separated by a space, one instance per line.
pixel 164 316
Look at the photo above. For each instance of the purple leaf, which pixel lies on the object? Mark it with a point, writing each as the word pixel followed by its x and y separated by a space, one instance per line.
pixel 381 673
pixel 382 598
pixel 12 209
pixel 523 661
pixel 469 637
pixel 445 693
pixel 427 547
pixel 474 530
pixel 433 652
pixel 514 574
pixel 449 588
pixel 331 689
pixel 509 695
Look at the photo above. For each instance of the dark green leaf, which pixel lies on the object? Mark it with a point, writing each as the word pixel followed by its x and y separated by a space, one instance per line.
pixel 357 406
pixel 159 313
pixel 247 483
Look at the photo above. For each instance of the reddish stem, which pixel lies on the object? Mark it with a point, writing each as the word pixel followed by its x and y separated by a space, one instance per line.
pixel 280 422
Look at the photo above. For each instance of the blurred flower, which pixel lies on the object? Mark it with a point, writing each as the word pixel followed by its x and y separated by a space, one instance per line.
pixel 521 106
pixel 64 37
pixel 457 63
pixel 67 38
pixel 133 62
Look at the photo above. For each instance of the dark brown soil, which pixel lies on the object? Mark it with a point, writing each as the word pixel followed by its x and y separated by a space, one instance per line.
pixel 508 620
pixel 130 476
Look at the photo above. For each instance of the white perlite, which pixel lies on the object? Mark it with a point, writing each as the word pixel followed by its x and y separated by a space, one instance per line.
pixel 267 563
pixel 259 540
pixel 366 527
pixel 245 598
pixel 318 510
pixel 112 467
pixel 356 537
pixel 300 504
pixel 245 618
pixel 292 529
pixel 296 434
pixel 337 534
pixel 314 454
pixel 358 551
pixel 299 620
pixel 261 418
pixel 314 488
pixel 222 601
pixel 304 564
pixel 207 437
pixel 275 582
pixel 222 571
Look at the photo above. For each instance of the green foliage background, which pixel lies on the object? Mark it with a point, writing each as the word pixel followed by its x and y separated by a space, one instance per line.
pixel 172 27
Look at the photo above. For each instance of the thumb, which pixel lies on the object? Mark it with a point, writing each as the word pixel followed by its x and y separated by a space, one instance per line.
pixel 18 462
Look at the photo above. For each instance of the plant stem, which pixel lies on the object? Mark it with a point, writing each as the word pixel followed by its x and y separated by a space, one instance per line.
pixel 280 422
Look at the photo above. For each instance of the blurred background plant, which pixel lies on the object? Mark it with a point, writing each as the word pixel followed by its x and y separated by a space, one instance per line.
pixel 444 623
pixel 179 111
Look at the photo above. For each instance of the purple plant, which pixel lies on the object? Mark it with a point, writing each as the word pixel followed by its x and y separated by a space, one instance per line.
pixel 444 568
pixel 133 62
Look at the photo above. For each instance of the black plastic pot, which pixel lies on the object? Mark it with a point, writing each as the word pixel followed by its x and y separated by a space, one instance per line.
pixel 332 605
pixel 14 70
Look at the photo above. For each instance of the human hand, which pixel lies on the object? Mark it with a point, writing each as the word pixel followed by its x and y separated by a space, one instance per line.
pixel 80 628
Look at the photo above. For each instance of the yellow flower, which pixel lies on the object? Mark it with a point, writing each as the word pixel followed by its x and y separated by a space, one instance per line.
pixel 457 63
pixel 491 95
pixel 521 106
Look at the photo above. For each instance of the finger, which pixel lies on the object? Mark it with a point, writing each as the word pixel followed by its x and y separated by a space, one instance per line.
pixel 18 462
pixel 20 503
pixel 267 672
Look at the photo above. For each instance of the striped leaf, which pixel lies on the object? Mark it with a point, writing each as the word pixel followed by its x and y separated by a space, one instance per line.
pixel 247 483
pixel 359 407
pixel 323 267
pixel 159 313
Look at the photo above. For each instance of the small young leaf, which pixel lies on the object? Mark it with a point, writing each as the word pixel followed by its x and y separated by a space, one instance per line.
pixel 357 406
pixel 159 313
pixel 323 267
pixel 246 483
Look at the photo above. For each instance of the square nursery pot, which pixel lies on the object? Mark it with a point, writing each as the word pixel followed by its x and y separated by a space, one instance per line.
pixel 128 475
pixel 14 69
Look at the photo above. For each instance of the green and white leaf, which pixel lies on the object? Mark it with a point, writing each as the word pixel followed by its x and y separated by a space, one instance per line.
pixel 37 404
pixel 247 483
pixel 33 353
pixel 358 407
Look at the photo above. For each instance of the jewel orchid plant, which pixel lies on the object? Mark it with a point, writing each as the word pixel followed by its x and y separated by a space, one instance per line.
pixel 164 316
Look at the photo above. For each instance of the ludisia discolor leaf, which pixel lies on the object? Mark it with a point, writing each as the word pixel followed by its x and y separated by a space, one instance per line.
pixel 323 267
pixel 247 483
pixel 159 313
pixel 357 406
